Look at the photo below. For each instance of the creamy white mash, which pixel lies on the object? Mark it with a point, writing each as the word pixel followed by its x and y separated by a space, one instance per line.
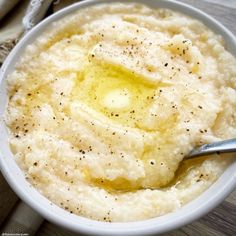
pixel 106 103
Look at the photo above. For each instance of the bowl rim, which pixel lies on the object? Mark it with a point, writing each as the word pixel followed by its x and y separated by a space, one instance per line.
pixel 186 214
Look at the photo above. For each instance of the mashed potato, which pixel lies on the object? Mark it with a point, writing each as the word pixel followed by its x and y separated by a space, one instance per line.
pixel 106 103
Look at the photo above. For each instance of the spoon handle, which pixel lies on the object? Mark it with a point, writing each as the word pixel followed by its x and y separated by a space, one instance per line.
pixel 216 147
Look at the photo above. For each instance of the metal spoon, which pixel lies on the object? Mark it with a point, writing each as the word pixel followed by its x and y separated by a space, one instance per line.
pixel 225 146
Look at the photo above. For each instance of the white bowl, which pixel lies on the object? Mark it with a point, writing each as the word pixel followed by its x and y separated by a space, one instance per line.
pixel 14 176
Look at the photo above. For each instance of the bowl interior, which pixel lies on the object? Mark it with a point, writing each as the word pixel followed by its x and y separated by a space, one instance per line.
pixel 198 207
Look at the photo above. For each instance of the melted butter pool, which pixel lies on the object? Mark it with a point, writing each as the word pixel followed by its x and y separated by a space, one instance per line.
pixel 116 93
